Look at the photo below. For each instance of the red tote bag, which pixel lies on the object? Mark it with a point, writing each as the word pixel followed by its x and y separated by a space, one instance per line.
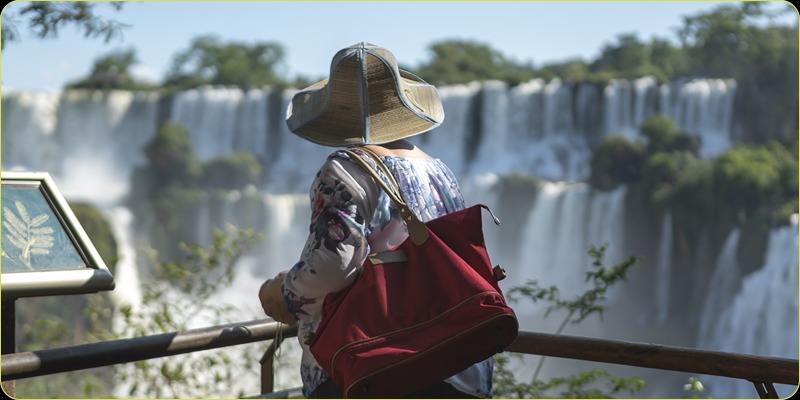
pixel 419 313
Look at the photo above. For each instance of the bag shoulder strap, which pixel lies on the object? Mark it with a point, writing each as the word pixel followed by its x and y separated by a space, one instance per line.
pixel 416 228
pixel 375 157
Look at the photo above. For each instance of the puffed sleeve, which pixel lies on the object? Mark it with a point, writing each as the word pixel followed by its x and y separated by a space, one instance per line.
pixel 342 200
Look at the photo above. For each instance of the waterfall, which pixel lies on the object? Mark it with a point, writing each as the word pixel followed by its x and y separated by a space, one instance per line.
pixel 724 284
pixel 92 141
pixel 566 220
pixel 126 274
pixel 760 315
pixel 664 261
pixel 702 106
pixel 31 130
pixel 546 129
pixel 457 101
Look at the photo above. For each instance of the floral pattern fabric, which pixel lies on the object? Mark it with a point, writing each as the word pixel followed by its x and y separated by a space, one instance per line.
pixel 352 217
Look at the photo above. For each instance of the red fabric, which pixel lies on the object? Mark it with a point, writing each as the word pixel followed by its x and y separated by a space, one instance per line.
pixel 404 326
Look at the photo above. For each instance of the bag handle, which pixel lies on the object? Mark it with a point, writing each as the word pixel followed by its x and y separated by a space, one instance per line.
pixel 416 228
pixel 395 194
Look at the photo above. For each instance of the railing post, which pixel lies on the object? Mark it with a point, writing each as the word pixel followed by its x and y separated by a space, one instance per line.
pixel 766 390
pixel 9 333
pixel 268 365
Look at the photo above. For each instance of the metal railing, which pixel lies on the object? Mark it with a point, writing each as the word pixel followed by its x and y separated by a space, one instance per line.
pixel 762 371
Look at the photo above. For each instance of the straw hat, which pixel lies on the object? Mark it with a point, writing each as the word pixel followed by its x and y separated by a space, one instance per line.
pixel 366 100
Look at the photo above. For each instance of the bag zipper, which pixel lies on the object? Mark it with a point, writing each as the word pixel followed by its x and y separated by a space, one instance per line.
pixel 421 353
pixel 399 331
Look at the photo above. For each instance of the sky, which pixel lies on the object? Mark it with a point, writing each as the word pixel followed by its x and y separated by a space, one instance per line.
pixel 312 31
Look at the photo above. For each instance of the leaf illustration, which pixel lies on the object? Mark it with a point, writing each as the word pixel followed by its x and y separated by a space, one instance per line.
pixel 40 220
pixel 41 241
pixel 23 212
pixel 16 242
pixel 42 231
pixel 13 223
pixel 25 234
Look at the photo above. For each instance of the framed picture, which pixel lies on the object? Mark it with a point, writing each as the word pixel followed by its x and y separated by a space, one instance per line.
pixel 45 251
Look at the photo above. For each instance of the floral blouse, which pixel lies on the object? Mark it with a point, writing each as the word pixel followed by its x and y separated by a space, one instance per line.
pixel 352 217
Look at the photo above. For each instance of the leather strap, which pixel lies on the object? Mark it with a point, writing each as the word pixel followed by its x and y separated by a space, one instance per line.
pixel 388 257
pixel 375 157
pixel 416 228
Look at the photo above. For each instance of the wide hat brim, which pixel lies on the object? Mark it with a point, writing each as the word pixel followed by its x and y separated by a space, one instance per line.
pixel 366 100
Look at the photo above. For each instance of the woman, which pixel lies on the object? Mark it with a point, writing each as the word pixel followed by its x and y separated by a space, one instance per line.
pixel 367 101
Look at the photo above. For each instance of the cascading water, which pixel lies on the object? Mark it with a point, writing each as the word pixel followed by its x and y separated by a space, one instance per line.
pixel 760 316
pixel 664 260
pixel 543 129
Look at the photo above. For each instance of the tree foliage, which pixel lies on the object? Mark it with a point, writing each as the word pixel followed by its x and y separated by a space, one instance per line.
pixel 463 61
pixel 591 302
pixel 209 60
pixel 233 171
pixel 746 178
pixel 627 58
pixel 569 70
pixel 179 295
pixel 660 132
pixel 172 157
pixel 99 231
pixel 733 42
pixel 47 18
pixel 739 183
pixel 616 161
pixel 112 71
pixel 175 186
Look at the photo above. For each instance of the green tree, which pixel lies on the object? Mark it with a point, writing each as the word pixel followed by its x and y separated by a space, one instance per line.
pixel 729 39
pixel 660 132
pixel 172 158
pixel 732 41
pixel 670 60
pixel 46 18
pixel 748 177
pixel 661 173
pixel 111 71
pixel 460 61
pixel 209 60
pixel 569 70
pixel 616 161
pixel 631 58
pixel 626 57
pixel 99 231
pixel 463 61
pixel 232 171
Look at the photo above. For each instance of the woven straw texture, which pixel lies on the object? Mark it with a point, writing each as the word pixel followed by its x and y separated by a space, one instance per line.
pixel 366 100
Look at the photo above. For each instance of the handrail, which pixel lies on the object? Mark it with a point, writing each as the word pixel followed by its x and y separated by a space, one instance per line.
pixel 757 369
pixel 647 355
pixel 72 358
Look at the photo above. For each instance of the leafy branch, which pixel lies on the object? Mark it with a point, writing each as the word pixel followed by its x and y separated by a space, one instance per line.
pixel 45 19
pixel 179 293
pixel 577 310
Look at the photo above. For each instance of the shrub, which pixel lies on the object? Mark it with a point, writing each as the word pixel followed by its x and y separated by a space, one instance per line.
pixel 660 132
pixel 616 161
pixel 99 231
pixel 232 171
pixel 171 156
pixel 746 177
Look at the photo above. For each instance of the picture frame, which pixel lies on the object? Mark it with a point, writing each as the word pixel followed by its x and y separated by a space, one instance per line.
pixel 45 250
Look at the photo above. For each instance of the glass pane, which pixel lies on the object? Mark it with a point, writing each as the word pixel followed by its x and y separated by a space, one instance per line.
pixel 33 238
